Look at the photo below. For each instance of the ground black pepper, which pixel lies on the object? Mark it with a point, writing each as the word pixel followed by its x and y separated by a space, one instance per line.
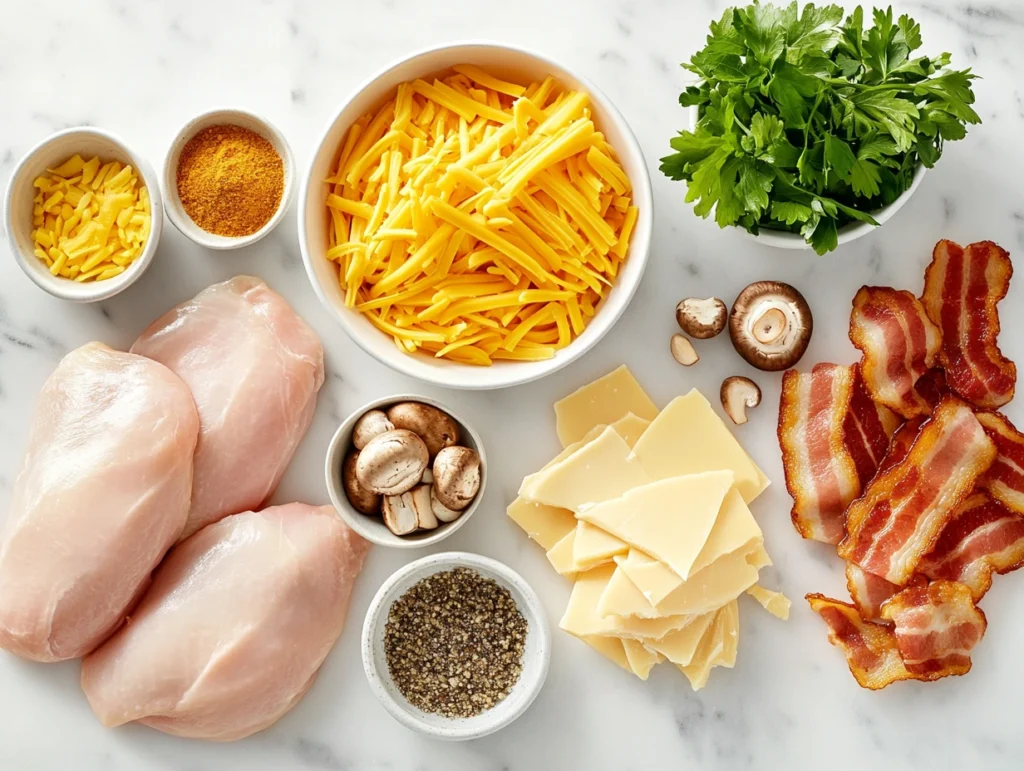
pixel 454 643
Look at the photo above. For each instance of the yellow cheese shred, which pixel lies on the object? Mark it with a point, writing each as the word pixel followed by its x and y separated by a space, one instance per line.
pixel 471 218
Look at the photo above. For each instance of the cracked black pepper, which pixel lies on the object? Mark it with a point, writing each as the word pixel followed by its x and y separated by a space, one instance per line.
pixel 454 643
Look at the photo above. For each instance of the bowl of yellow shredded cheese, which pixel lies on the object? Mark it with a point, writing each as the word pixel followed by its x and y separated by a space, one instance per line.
pixel 476 215
pixel 83 214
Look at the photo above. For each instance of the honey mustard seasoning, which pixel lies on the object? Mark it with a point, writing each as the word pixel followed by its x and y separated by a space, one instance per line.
pixel 454 643
pixel 230 180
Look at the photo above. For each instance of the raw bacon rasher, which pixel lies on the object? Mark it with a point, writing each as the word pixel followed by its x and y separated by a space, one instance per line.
pixel 962 287
pixel 903 510
pixel 936 627
pixel 984 537
pixel 870 649
pixel 899 344
pixel 821 474
pixel 1005 480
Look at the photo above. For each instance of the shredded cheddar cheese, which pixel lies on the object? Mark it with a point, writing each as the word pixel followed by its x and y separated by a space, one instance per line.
pixel 476 219
pixel 91 220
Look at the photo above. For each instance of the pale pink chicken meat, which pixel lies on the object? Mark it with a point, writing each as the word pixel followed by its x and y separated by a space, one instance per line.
pixel 254 368
pixel 102 494
pixel 234 627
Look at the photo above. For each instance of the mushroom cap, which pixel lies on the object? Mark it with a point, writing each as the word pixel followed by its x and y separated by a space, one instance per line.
pixel 701 318
pixel 770 325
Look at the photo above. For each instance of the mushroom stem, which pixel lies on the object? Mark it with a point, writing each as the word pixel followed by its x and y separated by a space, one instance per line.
pixel 739 394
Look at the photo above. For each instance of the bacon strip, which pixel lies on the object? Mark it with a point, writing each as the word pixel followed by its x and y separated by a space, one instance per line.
pixel 899 344
pixel 936 627
pixel 870 649
pixel 983 538
pixel 931 387
pixel 901 443
pixel 868 591
pixel 1005 480
pixel 821 474
pixel 900 515
pixel 867 430
pixel 961 290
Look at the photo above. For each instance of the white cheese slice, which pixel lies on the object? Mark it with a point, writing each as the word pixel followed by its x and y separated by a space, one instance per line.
pixel 560 556
pixel 688 437
pixel 603 401
pixel 609 647
pixel 710 589
pixel 547 525
pixel 596 472
pixel 670 519
pixel 680 647
pixel 593 546
pixel 718 647
pixel 647 629
pixel 775 603
pixel 581 618
pixel 641 658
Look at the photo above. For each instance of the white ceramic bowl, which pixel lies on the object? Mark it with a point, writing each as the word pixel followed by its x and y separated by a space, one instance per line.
pixel 253 122
pixel 850 232
pixel 52 151
pixel 503 60
pixel 536 656
pixel 373 528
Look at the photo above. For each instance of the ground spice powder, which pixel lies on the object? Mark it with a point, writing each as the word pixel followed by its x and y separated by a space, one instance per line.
pixel 230 180
pixel 454 643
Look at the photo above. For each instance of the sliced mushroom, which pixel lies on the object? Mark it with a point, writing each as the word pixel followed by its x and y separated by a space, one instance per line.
pixel 434 427
pixel 683 351
pixel 739 394
pixel 392 463
pixel 362 500
pixel 770 325
pixel 702 318
pixel 400 514
pixel 456 477
pixel 421 501
pixel 442 512
pixel 368 426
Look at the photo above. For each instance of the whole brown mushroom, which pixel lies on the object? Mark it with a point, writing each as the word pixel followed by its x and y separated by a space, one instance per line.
pixel 701 318
pixel 770 325
pixel 362 500
pixel 435 427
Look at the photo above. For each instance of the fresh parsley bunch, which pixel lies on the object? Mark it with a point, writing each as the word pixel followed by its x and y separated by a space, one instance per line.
pixel 808 122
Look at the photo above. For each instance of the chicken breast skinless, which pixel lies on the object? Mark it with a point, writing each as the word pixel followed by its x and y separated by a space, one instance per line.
pixel 234 627
pixel 254 368
pixel 103 492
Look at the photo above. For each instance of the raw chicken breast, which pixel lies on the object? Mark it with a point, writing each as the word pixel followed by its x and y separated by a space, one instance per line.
pixel 234 627
pixel 102 494
pixel 254 368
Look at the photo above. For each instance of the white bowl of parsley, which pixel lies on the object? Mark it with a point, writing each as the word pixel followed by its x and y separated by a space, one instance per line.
pixel 809 130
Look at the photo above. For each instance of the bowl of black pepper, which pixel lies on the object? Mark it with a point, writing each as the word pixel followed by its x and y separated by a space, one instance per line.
pixel 456 646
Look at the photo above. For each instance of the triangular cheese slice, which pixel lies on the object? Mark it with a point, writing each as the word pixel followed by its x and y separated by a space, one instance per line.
pixel 775 603
pixel 603 401
pixel 689 438
pixel 717 649
pixel 724 580
pixel 593 546
pixel 596 472
pixel 669 520
pixel 647 629
pixel 641 659
pixel 561 558
pixel 547 525
pixel 680 647
pixel 654 579
pixel 609 647
pixel 581 617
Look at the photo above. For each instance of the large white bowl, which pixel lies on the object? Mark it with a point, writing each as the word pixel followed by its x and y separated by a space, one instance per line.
pixel 514 63
pixel 536 656
pixel 851 232
pixel 52 151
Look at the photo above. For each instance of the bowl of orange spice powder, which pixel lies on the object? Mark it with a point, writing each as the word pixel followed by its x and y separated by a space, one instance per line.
pixel 228 179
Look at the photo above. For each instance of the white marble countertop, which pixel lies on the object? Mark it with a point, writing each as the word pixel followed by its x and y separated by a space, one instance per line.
pixel 790 701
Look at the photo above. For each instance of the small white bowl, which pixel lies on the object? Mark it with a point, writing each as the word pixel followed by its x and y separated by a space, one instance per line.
pixel 52 151
pixel 514 63
pixel 255 123
pixel 536 656
pixel 373 528
pixel 850 232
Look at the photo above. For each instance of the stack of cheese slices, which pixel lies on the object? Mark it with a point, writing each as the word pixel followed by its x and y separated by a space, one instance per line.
pixel 646 512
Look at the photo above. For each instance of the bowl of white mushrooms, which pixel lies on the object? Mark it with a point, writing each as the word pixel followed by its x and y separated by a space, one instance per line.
pixel 405 471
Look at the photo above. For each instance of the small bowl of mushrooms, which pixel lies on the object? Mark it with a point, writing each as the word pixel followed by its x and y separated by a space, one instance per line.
pixel 405 471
